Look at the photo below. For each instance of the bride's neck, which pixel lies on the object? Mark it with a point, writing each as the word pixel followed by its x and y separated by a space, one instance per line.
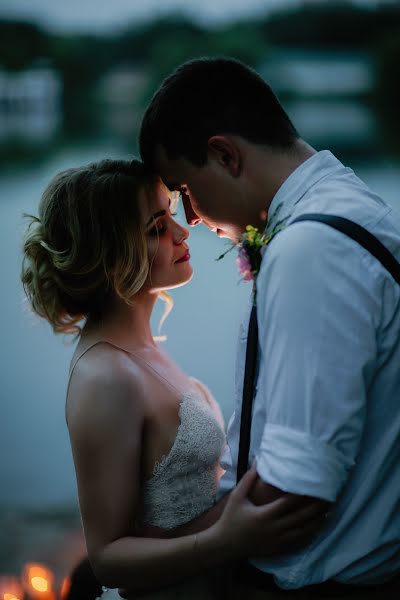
pixel 125 323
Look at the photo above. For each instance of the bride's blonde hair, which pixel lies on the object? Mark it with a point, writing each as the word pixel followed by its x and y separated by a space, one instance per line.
pixel 87 243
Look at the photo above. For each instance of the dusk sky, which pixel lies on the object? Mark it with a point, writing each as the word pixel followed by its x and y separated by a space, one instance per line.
pixel 95 15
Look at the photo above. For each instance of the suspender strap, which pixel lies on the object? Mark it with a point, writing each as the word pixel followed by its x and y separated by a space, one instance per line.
pixel 248 394
pixel 358 234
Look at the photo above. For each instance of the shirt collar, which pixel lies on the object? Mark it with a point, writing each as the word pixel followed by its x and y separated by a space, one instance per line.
pixel 297 185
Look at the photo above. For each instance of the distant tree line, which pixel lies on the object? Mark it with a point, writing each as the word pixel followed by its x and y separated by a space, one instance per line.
pixel 160 45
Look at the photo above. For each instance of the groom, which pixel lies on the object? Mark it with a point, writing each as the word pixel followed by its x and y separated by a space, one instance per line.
pixel 326 408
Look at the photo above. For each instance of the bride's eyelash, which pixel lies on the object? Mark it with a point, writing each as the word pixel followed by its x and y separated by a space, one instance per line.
pixel 158 229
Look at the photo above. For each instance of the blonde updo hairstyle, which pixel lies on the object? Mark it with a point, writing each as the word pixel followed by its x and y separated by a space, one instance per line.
pixel 87 244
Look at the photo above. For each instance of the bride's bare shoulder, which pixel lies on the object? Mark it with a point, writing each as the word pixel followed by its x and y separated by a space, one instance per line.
pixel 105 382
pixel 103 358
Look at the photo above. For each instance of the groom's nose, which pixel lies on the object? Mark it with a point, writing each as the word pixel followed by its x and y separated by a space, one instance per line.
pixel 192 217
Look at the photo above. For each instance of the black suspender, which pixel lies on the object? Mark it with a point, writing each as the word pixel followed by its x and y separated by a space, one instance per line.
pixel 248 395
pixel 358 234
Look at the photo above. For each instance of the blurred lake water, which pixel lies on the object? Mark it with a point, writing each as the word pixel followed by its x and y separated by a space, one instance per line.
pixel 36 468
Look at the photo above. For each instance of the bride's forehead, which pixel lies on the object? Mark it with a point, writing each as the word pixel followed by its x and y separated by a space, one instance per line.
pixel 162 193
pixel 158 196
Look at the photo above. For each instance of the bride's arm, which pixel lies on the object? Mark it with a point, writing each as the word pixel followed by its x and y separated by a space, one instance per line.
pixel 106 414
pixel 143 565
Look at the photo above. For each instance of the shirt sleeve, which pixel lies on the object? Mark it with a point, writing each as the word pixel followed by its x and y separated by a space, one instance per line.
pixel 317 313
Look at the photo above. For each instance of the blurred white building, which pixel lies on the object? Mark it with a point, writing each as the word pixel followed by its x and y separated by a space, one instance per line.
pixel 119 93
pixel 311 72
pixel 322 92
pixel 30 103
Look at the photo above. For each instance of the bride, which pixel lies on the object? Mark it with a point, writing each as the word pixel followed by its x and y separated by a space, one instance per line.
pixel 146 438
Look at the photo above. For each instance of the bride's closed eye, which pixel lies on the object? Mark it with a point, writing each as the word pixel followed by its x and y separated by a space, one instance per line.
pixel 158 229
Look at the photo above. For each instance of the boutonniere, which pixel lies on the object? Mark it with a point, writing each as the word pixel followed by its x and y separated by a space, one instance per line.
pixel 249 257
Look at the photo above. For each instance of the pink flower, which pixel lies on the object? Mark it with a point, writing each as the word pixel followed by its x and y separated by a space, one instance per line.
pixel 244 265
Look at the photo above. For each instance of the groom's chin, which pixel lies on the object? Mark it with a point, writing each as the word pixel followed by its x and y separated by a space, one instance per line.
pixel 233 236
pixel 230 234
pixel 226 234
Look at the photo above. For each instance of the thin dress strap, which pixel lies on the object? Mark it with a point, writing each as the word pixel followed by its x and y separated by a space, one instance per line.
pixel 129 353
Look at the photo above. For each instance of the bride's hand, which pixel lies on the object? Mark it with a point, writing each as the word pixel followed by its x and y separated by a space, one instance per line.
pixel 268 529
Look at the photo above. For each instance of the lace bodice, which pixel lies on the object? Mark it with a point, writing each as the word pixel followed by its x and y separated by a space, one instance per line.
pixel 185 481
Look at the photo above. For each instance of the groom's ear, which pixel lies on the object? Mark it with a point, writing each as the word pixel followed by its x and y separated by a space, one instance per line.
pixel 225 152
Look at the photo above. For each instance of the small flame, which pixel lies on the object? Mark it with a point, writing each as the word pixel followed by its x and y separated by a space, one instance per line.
pixel 38 580
pixel 40 584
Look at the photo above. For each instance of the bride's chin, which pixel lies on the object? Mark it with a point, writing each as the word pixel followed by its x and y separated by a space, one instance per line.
pixel 186 280
pixel 177 282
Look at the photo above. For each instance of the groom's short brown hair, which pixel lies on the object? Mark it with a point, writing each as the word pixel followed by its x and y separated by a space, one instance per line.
pixel 210 96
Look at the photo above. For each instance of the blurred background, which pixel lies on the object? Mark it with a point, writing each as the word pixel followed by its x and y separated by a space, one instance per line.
pixel 74 80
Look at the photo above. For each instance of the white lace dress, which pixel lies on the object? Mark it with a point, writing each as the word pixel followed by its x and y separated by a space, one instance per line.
pixel 184 485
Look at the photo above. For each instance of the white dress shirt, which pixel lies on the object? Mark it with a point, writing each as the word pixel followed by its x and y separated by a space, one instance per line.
pixel 326 414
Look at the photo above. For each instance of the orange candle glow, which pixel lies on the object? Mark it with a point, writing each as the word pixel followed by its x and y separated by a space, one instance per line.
pixel 10 588
pixel 38 582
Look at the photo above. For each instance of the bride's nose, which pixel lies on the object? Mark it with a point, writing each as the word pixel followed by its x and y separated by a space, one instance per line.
pixel 180 233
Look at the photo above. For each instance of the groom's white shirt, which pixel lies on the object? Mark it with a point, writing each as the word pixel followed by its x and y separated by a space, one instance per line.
pixel 326 415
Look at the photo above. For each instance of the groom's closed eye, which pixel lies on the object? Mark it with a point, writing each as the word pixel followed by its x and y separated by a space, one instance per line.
pixel 173 186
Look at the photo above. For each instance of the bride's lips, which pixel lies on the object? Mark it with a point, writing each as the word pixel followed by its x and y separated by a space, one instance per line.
pixel 184 258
